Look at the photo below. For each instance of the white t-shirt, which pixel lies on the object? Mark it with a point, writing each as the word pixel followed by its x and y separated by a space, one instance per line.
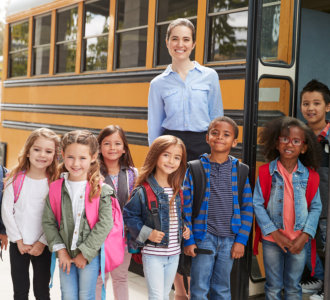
pixel 23 219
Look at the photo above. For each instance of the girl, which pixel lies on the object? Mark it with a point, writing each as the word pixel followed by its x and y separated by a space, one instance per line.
pixel 77 244
pixel 163 170
pixel 22 210
pixel 186 97
pixel 117 167
pixel 287 222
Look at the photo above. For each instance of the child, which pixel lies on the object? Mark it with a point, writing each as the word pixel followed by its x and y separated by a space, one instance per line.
pixel 160 231
pixel 22 210
pixel 314 105
pixel 3 235
pixel 117 167
pixel 221 226
pixel 288 221
pixel 76 244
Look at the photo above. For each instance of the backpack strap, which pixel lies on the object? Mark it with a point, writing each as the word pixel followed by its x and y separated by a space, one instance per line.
pixel 18 183
pixel 152 203
pixel 55 199
pixel 242 174
pixel 265 181
pixel 312 186
pixel 198 176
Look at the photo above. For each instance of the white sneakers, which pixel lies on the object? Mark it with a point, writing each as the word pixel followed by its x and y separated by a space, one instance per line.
pixel 311 285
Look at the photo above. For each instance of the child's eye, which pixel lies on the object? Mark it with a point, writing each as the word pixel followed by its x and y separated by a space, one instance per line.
pixel 178 158
pixel 49 151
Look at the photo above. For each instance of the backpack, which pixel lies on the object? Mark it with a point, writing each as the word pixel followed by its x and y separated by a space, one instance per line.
pixel 113 248
pixel 152 205
pixel 198 175
pixel 265 180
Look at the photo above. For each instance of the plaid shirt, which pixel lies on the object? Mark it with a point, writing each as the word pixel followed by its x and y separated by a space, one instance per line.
pixel 324 133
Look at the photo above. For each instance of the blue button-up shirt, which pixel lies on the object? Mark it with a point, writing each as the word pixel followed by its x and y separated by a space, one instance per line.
pixel 188 105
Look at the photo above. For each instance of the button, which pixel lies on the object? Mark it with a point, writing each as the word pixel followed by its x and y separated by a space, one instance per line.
pixel 75 232
pixel 78 215
pixel 81 197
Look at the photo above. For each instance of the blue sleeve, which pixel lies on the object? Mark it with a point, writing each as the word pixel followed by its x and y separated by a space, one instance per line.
pixel 265 223
pixel 214 97
pixel 187 208
pixel 246 215
pixel 156 113
pixel 313 215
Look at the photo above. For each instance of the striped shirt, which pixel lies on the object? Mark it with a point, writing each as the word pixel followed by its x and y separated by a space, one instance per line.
pixel 220 209
pixel 173 245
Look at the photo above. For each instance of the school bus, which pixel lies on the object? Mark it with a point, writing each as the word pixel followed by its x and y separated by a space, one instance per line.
pixel 71 64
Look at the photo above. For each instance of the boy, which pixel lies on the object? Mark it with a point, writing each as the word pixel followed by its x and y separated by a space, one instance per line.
pixel 221 225
pixel 314 105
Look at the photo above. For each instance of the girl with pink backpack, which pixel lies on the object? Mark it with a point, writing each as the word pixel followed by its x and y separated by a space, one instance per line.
pixel 23 203
pixel 119 172
pixel 79 214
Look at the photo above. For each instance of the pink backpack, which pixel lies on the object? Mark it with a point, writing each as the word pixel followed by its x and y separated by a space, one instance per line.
pixel 114 244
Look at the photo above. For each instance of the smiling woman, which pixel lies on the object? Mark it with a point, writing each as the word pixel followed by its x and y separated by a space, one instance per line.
pixel 186 97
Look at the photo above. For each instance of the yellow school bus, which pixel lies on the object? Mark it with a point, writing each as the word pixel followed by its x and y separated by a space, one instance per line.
pixel 71 64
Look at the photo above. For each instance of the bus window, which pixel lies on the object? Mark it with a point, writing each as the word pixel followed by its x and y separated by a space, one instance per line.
pixel 66 41
pixel 131 33
pixel 276 32
pixel 227 30
pixel 169 10
pixel 18 51
pixel 95 39
pixel 274 102
pixel 41 45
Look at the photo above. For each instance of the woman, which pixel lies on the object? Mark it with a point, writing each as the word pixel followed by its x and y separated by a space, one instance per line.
pixel 186 96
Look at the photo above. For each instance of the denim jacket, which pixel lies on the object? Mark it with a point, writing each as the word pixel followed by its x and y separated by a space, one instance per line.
pixel 271 219
pixel 138 218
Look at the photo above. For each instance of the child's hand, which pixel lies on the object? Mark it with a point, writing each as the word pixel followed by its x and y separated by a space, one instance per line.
pixel 37 249
pixel 281 240
pixel 189 250
pixel 237 250
pixel 22 248
pixel 4 241
pixel 80 261
pixel 186 233
pixel 156 236
pixel 299 243
pixel 64 260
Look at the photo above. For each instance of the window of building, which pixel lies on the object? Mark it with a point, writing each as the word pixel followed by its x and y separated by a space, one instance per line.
pixel 18 49
pixel 131 33
pixel 41 45
pixel 227 30
pixel 66 40
pixel 95 40
pixel 169 10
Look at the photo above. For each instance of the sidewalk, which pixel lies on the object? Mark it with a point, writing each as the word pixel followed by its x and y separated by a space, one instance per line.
pixel 137 284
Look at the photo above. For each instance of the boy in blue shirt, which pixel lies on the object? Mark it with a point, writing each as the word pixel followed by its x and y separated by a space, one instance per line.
pixel 314 105
pixel 222 225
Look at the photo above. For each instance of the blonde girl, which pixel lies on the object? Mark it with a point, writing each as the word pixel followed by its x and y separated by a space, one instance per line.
pixel 22 210
pixel 163 170
pixel 117 167
pixel 75 243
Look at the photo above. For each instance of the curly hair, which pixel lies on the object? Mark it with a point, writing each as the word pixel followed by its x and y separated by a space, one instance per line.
pixel 85 137
pixel 126 159
pixel 268 139
pixel 23 159
pixel 158 146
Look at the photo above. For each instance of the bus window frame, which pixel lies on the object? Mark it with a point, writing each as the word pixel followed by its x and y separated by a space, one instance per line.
pixel 294 38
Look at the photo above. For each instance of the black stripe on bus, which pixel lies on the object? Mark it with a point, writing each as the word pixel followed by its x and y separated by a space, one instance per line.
pixel 135 138
pixel 124 112
pixel 224 72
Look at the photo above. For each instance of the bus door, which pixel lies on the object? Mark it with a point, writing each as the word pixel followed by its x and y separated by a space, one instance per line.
pixel 270 88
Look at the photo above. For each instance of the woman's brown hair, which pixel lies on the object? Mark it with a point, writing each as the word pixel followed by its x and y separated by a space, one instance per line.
pixel 156 149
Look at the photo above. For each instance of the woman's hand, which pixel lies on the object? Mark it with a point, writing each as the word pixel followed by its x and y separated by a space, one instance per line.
pixel 80 261
pixel 64 260
pixel 37 249
pixel 22 248
pixel 156 236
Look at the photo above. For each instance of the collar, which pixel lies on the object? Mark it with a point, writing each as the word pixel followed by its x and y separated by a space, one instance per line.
pixel 169 69
pixel 324 133
pixel 206 158
pixel 273 167
pixel 154 185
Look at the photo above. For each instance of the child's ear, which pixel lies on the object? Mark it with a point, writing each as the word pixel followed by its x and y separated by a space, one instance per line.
pixel 94 157
pixel 304 149
pixel 234 144
pixel 327 107
pixel 207 138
